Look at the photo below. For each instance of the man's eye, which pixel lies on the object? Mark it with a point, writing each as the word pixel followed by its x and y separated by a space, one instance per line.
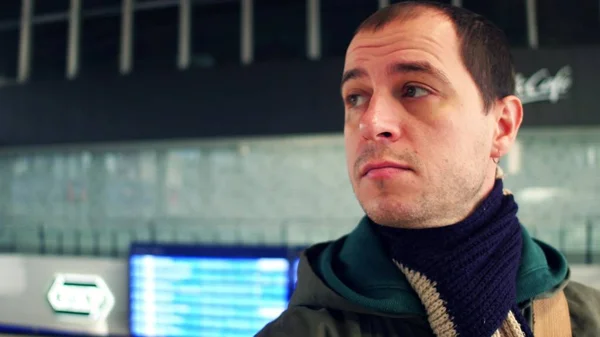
pixel 415 92
pixel 355 100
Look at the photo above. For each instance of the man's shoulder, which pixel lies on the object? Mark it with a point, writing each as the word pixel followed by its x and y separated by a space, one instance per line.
pixel 304 321
pixel 584 308
pixel 321 322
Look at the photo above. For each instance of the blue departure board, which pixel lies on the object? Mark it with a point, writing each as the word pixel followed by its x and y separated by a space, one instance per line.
pixel 295 271
pixel 295 253
pixel 206 291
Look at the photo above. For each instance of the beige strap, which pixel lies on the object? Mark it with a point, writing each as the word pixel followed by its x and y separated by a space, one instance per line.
pixel 551 317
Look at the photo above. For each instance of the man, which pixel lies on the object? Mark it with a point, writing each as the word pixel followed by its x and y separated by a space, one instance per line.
pixel 429 111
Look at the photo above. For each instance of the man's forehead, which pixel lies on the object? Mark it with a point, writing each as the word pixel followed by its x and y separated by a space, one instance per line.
pixel 432 34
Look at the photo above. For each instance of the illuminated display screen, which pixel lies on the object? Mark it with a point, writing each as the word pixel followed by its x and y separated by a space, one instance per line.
pixel 295 271
pixel 206 291
pixel 295 253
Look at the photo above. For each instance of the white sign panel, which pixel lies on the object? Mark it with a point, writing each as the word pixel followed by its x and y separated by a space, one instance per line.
pixel 81 295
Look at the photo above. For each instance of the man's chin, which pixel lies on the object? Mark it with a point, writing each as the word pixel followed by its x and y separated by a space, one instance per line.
pixel 390 212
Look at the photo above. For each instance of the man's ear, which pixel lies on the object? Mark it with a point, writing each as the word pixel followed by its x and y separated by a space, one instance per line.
pixel 508 114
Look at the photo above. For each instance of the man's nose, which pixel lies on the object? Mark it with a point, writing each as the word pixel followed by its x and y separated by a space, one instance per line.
pixel 382 120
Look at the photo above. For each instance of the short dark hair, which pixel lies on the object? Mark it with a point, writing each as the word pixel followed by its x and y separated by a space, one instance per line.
pixel 484 47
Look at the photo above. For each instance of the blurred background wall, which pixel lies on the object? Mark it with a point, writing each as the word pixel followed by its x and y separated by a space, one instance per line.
pixel 94 199
pixel 220 121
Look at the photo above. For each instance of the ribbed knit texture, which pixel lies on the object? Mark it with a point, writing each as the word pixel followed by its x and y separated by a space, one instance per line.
pixel 466 273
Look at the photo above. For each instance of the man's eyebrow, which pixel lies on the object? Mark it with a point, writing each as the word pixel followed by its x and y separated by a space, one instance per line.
pixel 419 67
pixel 353 74
pixel 400 67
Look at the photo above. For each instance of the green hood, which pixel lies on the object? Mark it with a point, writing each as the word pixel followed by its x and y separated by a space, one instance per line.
pixel 356 268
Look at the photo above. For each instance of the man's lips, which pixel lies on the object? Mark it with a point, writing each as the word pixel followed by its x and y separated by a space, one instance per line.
pixel 382 165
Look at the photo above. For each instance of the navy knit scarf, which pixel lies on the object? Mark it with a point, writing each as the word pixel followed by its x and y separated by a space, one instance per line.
pixel 466 274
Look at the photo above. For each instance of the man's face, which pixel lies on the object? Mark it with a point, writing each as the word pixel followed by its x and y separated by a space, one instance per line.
pixel 418 143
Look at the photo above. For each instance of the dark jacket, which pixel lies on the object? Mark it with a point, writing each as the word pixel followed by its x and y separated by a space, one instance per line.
pixel 350 288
